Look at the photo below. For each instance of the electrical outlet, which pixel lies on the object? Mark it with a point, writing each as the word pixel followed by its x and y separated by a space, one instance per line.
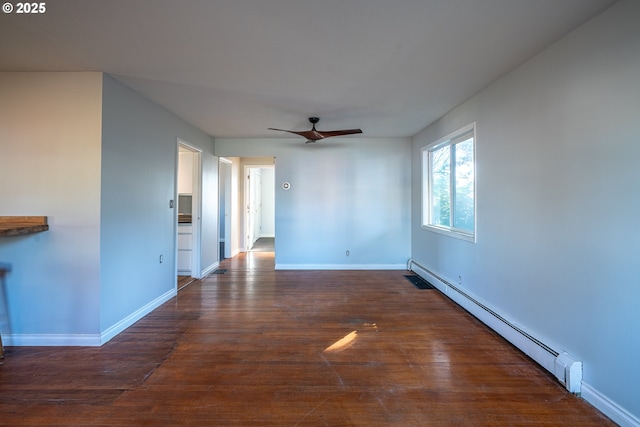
pixel 161 259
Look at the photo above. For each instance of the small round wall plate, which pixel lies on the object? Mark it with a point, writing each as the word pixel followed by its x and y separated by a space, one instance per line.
pixel 286 185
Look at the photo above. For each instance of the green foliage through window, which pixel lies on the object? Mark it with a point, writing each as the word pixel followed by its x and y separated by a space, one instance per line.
pixel 449 199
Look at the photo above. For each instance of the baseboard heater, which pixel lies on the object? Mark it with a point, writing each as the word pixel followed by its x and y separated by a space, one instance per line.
pixel 566 368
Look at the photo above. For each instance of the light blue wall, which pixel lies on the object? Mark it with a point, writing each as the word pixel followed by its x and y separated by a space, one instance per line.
pixel 346 194
pixel 50 166
pixel 139 149
pixel 101 164
pixel 558 200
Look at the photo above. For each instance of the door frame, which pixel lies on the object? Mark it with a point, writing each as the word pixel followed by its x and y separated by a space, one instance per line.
pixel 196 208
pixel 246 216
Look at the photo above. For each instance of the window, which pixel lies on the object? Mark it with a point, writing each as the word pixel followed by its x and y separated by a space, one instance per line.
pixel 448 201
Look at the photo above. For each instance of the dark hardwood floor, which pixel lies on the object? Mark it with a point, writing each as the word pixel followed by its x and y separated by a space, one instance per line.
pixel 258 347
pixel 184 281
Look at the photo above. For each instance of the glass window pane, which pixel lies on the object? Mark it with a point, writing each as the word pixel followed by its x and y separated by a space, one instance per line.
pixel 464 186
pixel 440 187
pixel 448 201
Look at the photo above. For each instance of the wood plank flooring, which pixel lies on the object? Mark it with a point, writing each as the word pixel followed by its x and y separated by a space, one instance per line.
pixel 184 281
pixel 258 347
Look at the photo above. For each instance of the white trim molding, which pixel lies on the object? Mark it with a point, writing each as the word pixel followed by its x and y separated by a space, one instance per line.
pixel 86 340
pixel 340 267
pixel 114 330
pixel 618 414
pixel 209 270
pixel 52 340
pixel 546 355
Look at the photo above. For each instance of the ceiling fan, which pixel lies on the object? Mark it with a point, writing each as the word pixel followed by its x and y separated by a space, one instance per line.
pixel 314 135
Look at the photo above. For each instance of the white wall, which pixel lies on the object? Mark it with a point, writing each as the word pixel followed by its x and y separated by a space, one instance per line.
pixel 185 171
pixel 236 209
pixel 50 165
pixel 558 207
pixel 139 159
pixel 346 194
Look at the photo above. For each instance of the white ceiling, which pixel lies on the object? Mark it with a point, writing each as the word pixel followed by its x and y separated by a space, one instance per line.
pixel 236 67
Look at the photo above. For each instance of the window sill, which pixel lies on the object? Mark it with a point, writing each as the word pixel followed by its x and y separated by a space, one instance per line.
pixel 451 233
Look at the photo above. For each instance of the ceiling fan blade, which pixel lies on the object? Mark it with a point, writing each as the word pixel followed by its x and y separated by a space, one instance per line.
pixel 311 135
pixel 330 133
pixel 284 130
pixel 314 135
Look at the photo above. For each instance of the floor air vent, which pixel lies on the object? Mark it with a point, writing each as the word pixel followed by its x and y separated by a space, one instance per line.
pixel 419 282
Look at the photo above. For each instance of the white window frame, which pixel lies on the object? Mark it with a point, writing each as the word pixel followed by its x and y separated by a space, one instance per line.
pixel 427 221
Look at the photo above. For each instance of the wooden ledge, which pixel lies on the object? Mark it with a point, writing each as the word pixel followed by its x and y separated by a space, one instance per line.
pixel 17 225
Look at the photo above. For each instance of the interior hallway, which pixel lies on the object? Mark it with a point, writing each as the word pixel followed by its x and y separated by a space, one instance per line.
pixel 264 244
pixel 258 347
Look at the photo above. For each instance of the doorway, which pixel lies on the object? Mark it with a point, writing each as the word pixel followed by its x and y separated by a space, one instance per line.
pixel 260 207
pixel 189 194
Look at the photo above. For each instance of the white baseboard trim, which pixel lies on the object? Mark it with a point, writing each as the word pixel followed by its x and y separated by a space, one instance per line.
pixel 340 267
pixel 608 407
pixel 85 340
pixel 114 330
pixel 528 344
pixel 51 340
pixel 209 269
